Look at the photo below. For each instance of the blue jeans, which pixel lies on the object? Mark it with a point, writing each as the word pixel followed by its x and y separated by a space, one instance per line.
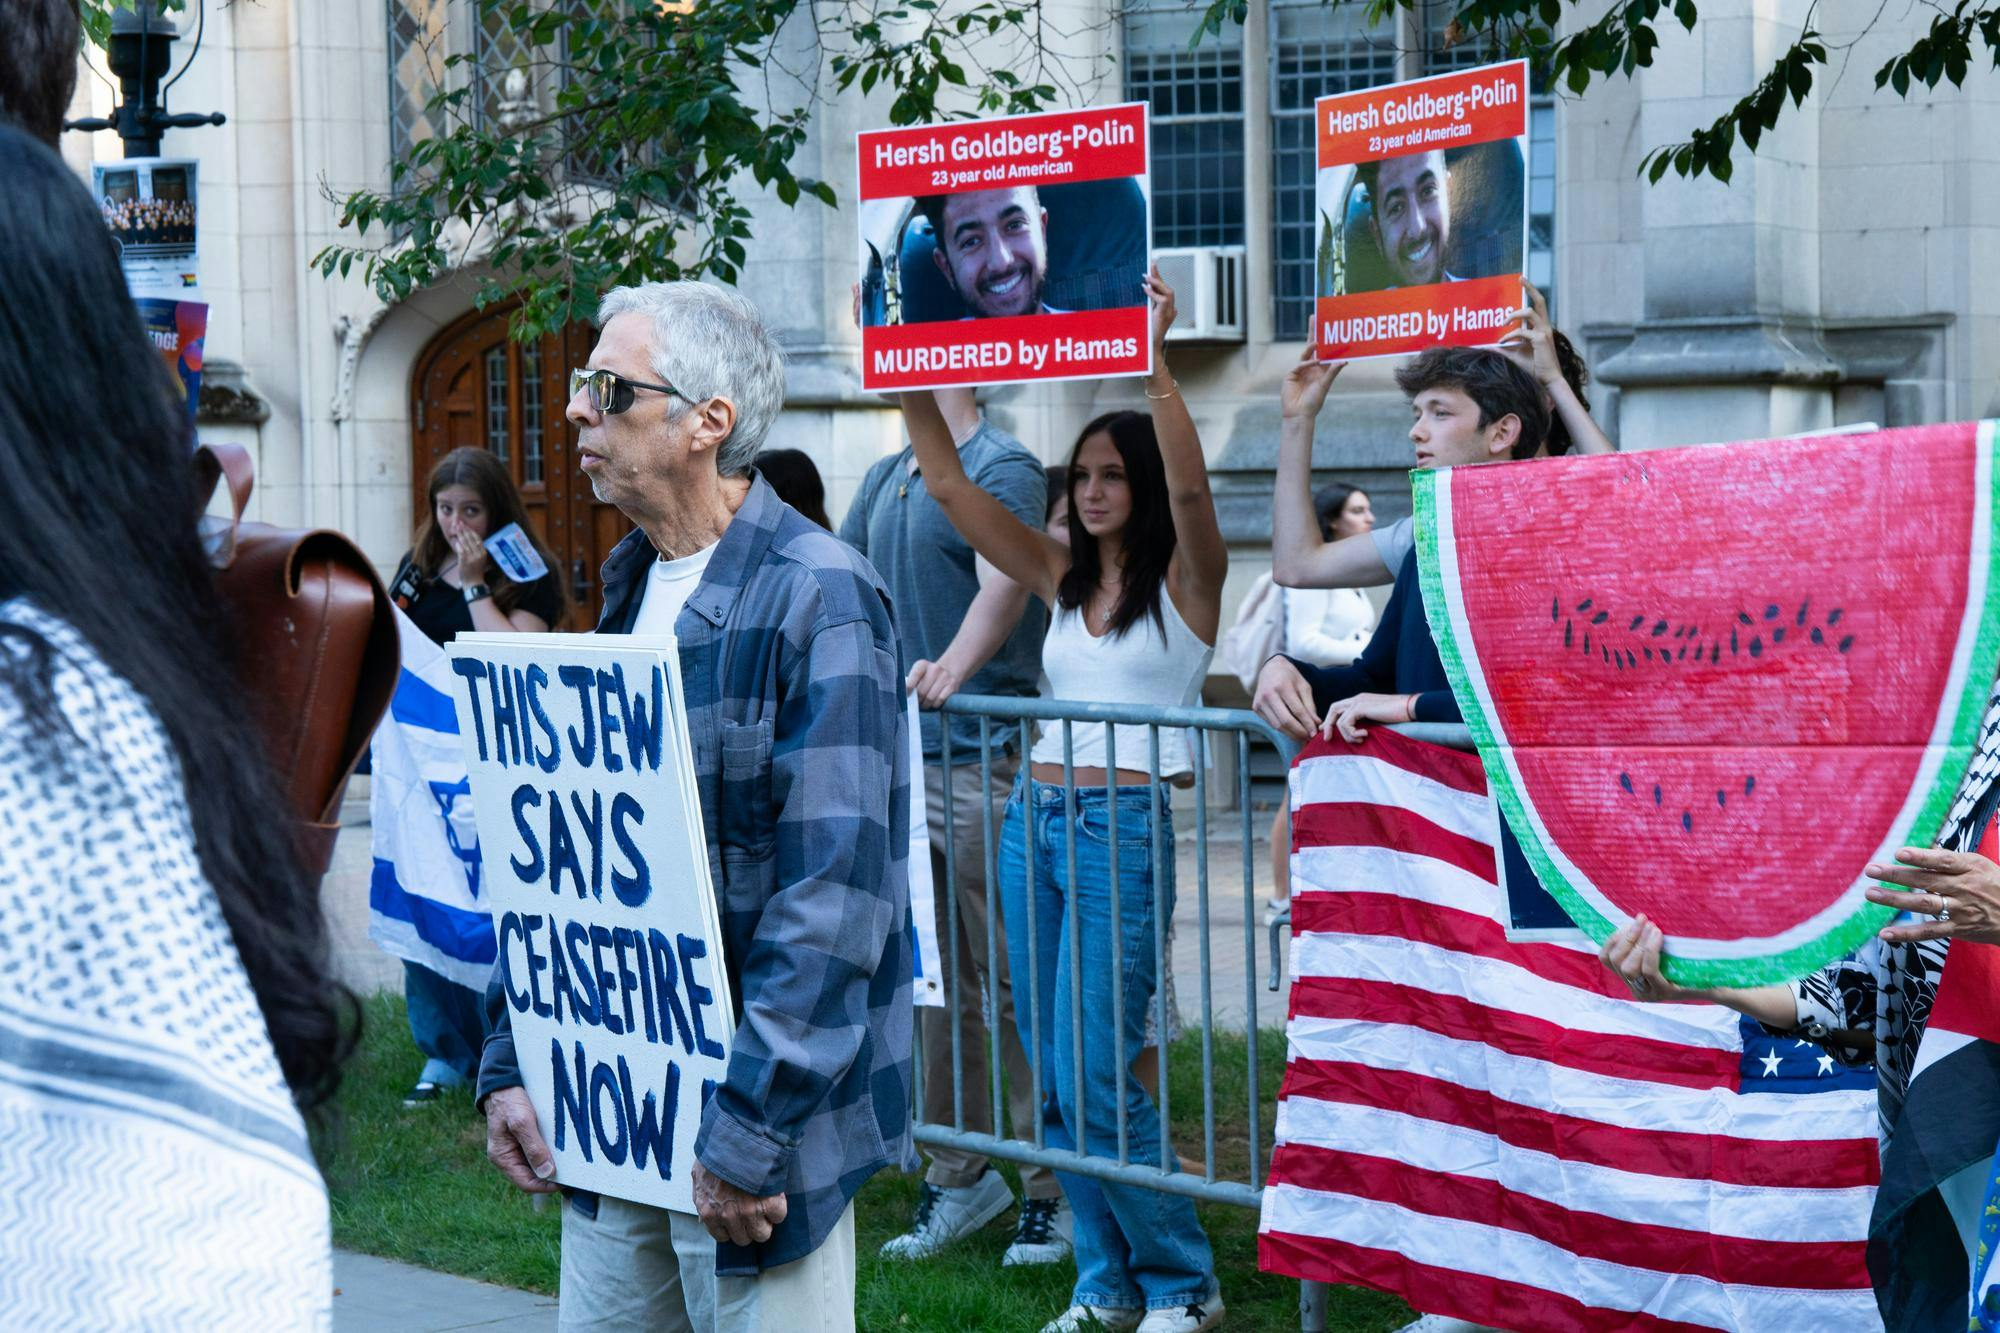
pixel 1134 1247
pixel 448 1023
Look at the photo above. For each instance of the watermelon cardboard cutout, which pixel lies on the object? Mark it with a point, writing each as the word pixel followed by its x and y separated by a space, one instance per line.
pixel 1712 684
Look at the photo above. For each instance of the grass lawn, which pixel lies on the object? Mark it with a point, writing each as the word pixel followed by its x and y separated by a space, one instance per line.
pixel 415 1186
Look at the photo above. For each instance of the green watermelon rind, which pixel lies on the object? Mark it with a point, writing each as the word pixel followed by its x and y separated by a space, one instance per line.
pixel 1750 970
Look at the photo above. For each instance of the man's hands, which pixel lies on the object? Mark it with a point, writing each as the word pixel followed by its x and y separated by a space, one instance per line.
pixel 1633 952
pixel 1283 699
pixel 932 683
pixel 1347 715
pixel 732 1215
pixel 1533 346
pixel 1960 889
pixel 1304 391
pixel 514 1142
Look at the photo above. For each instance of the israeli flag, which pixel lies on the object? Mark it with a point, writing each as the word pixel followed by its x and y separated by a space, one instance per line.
pixel 425 902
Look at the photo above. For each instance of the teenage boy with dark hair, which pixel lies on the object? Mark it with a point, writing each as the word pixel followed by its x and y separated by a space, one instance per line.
pixel 1470 406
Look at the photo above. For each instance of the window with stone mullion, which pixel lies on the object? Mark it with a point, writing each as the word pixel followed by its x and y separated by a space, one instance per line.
pixel 1195 97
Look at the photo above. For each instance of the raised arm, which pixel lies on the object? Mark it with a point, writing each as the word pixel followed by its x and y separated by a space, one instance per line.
pixel 994 613
pixel 1026 555
pixel 1201 560
pixel 1300 556
pixel 1533 345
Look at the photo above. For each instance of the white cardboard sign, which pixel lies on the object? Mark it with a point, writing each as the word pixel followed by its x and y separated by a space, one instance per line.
pixel 583 787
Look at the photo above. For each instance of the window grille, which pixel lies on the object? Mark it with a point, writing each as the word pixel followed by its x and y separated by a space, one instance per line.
pixel 1196 100
pixel 498 401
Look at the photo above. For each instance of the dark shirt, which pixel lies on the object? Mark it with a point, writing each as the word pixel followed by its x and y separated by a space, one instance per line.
pixel 443 614
pixel 1401 658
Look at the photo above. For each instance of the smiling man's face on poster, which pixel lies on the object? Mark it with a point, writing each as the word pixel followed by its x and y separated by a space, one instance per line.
pixel 1412 201
pixel 992 247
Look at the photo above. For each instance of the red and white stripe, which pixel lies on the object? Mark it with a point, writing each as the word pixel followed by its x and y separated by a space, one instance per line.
pixel 1495 1131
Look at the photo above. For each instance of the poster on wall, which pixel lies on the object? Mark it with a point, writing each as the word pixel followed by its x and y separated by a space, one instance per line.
pixel 176 329
pixel 150 204
pixel 1421 213
pixel 1004 250
pixel 596 869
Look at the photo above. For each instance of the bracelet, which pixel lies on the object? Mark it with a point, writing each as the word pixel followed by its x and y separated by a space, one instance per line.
pixel 1161 397
pixel 476 592
pixel 1410 707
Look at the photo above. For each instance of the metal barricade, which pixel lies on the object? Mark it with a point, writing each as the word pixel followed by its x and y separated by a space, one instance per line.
pixel 1202 724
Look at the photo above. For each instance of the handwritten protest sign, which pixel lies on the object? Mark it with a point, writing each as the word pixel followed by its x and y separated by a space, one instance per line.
pixel 597 871
pixel 1422 210
pixel 1004 250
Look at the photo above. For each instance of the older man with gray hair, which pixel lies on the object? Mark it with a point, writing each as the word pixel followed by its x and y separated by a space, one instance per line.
pixel 795 703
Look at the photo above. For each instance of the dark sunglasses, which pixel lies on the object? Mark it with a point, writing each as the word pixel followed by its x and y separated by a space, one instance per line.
pixel 610 392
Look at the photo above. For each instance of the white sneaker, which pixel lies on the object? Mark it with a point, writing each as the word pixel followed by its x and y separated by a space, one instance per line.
pixel 1092 1319
pixel 1184 1318
pixel 945 1216
pixel 1041 1233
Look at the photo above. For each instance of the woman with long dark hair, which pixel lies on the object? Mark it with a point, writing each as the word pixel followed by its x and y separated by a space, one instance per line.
pixel 167 1006
pixel 449 584
pixel 1137 598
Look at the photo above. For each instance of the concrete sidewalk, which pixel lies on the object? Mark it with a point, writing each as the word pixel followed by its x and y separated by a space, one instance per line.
pixel 382 1296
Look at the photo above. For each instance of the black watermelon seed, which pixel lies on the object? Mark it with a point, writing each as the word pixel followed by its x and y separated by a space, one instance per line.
pixel 1687 821
pixel 1846 643
pixel 1625 781
pixel 1833 616
pixel 1584 605
pixel 1636 622
pixel 1743 616
pixel 1732 643
pixel 1656 793
pixel 1770 613
pixel 1600 617
pixel 1778 634
pixel 1648 652
pixel 1756 646
pixel 1659 629
pixel 1567 636
pixel 1606 653
pixel 1555 609
pixel 1817 636
pixel 1682 653
pixel 1721 797
pixel 1715 654
pixel 1749 784
pixel 1802 610
pixel 1586 643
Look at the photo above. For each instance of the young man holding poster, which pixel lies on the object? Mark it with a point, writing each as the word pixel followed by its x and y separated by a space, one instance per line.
pixel 788 658
pixel 963 626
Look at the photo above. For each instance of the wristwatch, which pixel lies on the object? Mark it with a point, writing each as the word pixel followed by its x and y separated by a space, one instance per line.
pixel 475 592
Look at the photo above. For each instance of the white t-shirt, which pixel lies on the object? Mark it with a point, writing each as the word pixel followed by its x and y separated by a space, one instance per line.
pixel 669 584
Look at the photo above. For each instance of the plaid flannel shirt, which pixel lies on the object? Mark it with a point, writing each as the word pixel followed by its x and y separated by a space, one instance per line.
pixel 795 707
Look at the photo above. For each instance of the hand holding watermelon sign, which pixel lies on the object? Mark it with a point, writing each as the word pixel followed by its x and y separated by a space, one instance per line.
pixel 1717 687
pixel 1959 890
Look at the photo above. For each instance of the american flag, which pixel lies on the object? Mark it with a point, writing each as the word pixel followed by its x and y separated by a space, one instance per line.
pixel 1496 1132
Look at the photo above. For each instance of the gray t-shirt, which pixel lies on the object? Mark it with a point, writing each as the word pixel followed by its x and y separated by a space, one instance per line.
pixel 1394 542
pixel 931 571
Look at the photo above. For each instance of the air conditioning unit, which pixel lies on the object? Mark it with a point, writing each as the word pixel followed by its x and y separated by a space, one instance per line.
pixel 1208 289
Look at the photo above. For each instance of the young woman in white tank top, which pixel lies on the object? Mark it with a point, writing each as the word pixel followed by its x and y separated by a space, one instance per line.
pixel 1137 596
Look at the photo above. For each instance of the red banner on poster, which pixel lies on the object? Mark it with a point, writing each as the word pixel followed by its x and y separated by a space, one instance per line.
pixel 1003 250
pixel 1422 213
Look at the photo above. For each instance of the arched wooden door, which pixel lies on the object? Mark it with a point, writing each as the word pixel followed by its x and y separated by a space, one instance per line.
pixel 474 386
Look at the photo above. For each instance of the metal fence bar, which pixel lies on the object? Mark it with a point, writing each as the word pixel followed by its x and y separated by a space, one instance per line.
pixel 989 848
pixel 1075 933
pixel 1033 874
pixel 1097 1168
pixel 1207 977
pixel 1118 1066
pixel 1249 946
pixel 949 889
pixel 1162 910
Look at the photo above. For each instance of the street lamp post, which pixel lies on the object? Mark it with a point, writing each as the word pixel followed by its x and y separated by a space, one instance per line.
pixel 140 46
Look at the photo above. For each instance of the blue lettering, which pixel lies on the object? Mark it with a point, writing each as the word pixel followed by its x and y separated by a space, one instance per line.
pixel 646 1001
pixel 580 678
pixel 666 991
pixel 510 923
pixel 474 671
pixel 600 940
pixel 529 871
pixel 562 851
pixel 592 822
pixel 606 721
pixel 653 1123
pixel 635 888
pixel 559 990
pixel 551 755
pixel 536 966
pixel 602 1080
pixel 570 1101
pixel 621 938
pixel 642 729
pixel 506 716
pixel 577 936
pixel 699 996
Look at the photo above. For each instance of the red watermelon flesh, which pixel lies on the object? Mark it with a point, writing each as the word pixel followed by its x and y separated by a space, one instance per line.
pixel 1711 684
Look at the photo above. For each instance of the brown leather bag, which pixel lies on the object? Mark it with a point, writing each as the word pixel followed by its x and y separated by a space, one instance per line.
pixel 316 645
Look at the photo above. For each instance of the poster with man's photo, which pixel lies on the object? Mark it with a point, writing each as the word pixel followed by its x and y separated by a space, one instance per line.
pixel 149 205
pixel 1421 213
pixel 1008 249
